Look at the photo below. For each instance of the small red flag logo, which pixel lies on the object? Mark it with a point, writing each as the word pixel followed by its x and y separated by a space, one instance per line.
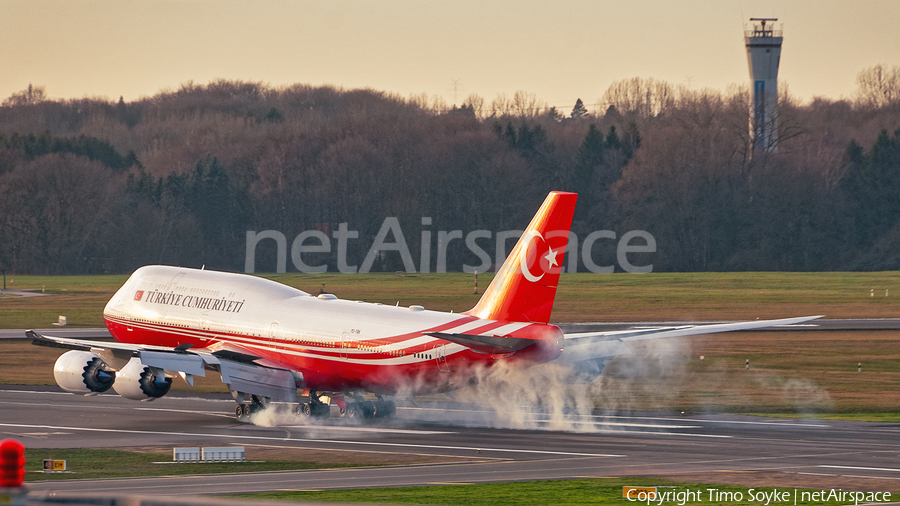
pixel 138 295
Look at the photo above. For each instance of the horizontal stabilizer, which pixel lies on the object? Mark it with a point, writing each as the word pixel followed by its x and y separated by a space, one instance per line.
pixel 486 344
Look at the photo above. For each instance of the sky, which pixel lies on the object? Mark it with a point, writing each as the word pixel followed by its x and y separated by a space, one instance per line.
pixel 559 50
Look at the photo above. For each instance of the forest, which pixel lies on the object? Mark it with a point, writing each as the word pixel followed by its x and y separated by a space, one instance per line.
pixel 95 185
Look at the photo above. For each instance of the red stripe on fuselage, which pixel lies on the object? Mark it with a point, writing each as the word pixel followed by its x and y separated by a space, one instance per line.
pixel 332 367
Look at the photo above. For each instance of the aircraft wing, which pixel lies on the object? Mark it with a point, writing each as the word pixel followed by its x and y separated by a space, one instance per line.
pixel 586 351
pixel 235 365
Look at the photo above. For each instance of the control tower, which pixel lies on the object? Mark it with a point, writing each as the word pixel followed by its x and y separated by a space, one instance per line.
pixel 763 44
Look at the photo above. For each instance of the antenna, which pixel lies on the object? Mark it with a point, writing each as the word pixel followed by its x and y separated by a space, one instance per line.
pixel 456 87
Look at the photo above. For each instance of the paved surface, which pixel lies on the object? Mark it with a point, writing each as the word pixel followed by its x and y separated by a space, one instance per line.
pixel 24 293
pixel 593 446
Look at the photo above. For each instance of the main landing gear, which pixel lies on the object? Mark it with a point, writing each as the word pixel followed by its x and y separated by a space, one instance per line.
pixel 315 408
pixel 361 408
pixel 243 410
pixel 319 407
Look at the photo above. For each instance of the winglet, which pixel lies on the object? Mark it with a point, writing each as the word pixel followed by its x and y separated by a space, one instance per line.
pixel 525 286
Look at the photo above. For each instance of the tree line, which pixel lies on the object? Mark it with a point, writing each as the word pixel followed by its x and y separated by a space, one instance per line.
pixel 91 185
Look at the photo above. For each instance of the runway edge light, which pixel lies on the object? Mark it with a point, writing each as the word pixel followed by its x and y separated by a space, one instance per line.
pixel 12 472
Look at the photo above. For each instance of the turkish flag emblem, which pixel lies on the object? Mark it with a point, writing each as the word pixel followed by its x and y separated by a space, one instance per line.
pixel 138 295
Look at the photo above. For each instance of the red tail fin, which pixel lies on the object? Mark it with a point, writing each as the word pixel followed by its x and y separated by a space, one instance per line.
pixel 524 288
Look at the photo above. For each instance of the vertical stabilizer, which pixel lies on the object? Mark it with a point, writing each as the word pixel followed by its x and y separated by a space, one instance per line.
pixel 525 286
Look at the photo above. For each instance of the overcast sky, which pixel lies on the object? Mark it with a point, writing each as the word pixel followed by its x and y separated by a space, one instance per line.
pixel 559 50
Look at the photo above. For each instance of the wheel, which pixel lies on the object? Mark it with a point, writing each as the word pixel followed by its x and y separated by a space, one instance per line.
pixel 247 409
pixel 385 409
pixel 239 412
pixel 368 409
pixel 321 410
pixel 304 409
pixel 353 410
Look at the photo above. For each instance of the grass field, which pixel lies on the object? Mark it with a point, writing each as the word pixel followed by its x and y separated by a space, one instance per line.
pixel 84 463
pixel 581 297
pixel 557 493
pixel 157 461
pixel 805 373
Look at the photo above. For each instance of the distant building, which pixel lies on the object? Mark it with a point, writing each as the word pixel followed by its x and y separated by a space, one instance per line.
pixel 763 44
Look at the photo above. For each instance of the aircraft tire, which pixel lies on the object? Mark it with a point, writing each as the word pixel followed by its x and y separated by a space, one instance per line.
pixel 304 410
pixel 385 409
pixel 320 410
pixel 368 409
pixel 239 412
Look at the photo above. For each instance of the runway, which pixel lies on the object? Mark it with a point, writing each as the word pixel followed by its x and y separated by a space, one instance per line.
pixel 465 446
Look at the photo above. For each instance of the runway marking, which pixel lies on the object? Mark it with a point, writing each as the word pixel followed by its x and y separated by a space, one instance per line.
pixel 33 392
pixel 169 410
pixel 598 418
pixel 33 404
pixel 379 430
pixel 652 433
pixel 168 398
pixel 479 458
pixel 863 468
pixel 646 425
pixel 317 441
pixel 869 477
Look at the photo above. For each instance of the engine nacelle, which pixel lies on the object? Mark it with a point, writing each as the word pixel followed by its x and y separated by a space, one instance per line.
pixel 82 372
pixel 139 382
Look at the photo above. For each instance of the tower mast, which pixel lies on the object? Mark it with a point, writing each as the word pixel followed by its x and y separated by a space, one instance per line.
pixel 763 42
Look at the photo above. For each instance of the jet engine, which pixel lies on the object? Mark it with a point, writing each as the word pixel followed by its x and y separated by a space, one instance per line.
pixel 82 372
pixel 140 382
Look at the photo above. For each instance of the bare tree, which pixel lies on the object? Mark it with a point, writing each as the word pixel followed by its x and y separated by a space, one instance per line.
pixel 501 106
pixel 878 86
pixel 527 105
pixel 29 96
pixel 645 97
pixel 476 102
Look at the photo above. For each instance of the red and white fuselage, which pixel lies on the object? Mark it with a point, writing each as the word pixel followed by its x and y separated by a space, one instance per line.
pixel 335 344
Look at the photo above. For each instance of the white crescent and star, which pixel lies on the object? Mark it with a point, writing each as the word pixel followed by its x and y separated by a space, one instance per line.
pixel 523 261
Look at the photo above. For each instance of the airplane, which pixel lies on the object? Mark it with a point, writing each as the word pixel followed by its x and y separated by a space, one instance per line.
pixel 267 340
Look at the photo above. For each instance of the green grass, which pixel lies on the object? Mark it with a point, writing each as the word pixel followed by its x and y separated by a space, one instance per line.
pixel 581 297
pixel 104 463
pixel 557 493
pixel 80 298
